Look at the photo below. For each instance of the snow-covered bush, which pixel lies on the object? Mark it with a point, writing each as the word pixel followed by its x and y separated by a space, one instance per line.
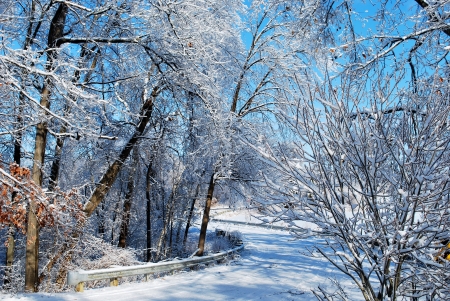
pixel 376 184
pixel 219 240
pixel 93 253
pixel 58 215
pixel 218 244
pixel 15 281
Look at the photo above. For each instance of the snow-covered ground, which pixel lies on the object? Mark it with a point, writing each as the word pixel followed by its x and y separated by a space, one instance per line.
pixel 272 267
pixel 254 217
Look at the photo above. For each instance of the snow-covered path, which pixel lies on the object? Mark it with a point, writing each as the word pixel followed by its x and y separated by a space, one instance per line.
pixel 272 267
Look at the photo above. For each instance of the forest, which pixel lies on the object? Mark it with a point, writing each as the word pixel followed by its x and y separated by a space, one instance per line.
pixel 122 121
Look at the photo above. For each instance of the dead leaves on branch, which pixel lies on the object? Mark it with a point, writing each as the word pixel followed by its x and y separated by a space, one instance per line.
pixel 56 209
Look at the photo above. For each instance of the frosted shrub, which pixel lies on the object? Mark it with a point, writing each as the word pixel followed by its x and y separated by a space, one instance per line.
pixel 377 188
pixel 219 244
pixel 94 253
pixel 16 281
pixel 235 236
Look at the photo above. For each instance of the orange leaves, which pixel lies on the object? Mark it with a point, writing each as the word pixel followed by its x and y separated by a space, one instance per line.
pixel 56 209
pixel 18 219
pixel 19 172
pixel 4 192
pixel 63 210
pixel 13 197
pixel 14 214
pixel 46 215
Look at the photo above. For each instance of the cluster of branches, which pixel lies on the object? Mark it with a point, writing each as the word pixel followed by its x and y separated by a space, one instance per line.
pixel 52 210
pixel 366 159
pixel 151 104
pixel 130 105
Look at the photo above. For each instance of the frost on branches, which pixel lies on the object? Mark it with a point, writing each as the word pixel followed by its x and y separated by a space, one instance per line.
pixel 57 212
pixel 375 182
pixel 58 209
pixel 366 157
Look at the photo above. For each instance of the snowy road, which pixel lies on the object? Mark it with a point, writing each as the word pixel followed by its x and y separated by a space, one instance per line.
pixel 272 267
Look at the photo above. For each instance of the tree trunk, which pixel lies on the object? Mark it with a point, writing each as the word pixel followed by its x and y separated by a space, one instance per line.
pixel 12 231
pixel 111 174
pixel 10 254
pixel 127 203
pixel 54 172
pixel 191 213
pixel 114 217
pixel 162 236
pixel 171 233
pixel 148 191
pixel 102 189
pixel 65 249
pixel 32 245
pixel 62 273
pixel 101 222
pixel 56 164
pixel 177 237
pixel 205 220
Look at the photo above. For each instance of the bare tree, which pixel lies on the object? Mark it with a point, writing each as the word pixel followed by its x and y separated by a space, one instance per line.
pixel 275 31
pixel 373 182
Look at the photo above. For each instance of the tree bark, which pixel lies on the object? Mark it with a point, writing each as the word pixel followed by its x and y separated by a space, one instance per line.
pixel 114 216
pixel 148 192
pixel 101 223
pixel 32 247
pixel 125 223
pixel 12 231
pixel 205 220
pixel 111 174
pixel 171 232
pixel 162 236
pixel 10 254
pixel 191 213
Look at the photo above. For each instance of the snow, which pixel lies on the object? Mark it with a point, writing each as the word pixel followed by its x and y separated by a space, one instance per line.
pixel 252 216
pixel 272 266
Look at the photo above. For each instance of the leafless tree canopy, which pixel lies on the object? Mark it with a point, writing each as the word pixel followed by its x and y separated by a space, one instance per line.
pixel 121 121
